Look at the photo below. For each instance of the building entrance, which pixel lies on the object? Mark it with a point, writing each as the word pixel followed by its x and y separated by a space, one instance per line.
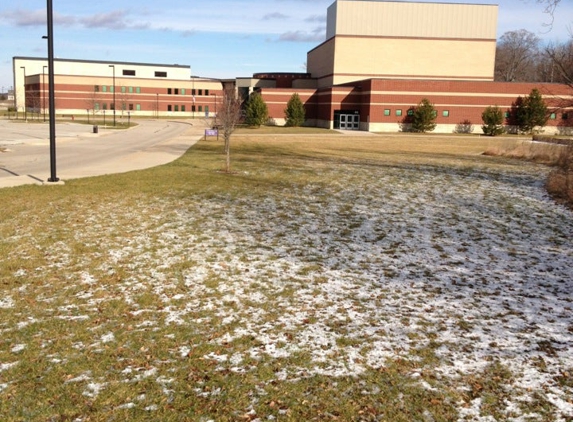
pixel 347 120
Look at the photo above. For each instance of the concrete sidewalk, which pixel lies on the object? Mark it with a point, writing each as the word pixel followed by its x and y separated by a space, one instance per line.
pixel 155 154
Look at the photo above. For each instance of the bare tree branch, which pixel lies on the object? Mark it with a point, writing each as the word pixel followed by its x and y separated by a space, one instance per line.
pixel 227 118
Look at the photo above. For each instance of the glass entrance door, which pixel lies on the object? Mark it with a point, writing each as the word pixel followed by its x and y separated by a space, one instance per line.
pixel 349 121
pixel 346 120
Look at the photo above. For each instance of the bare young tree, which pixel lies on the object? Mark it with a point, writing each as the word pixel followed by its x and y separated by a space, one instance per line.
pixel 92 100
pixel 227 119
pixel 124 98
pixel 516 55
pixel 34 103
pixel 561 57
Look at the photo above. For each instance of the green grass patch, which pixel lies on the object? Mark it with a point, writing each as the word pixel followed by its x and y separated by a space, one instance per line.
pixel 284 291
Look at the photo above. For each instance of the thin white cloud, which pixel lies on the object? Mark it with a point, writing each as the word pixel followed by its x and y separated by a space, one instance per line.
pixel 317 35
pixel 29 18
pixel 116 19
pixel 275 15
pixel 316 18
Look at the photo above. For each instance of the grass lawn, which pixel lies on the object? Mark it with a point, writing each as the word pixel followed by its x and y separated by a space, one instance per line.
pixel 372 278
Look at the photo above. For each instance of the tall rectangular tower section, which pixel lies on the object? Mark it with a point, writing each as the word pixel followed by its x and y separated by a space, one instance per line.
pixel 370 39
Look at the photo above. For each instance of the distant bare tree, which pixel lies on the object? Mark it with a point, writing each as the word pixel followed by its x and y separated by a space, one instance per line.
pixel 34 103
pixel 516 55
pixel 124 98
pixel 561 57
pixel 93 99
pixel 227 118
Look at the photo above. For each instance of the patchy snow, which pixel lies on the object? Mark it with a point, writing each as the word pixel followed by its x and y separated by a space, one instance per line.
pixel 17 348
pixel 6 303
pixel 108 338
pixel 475 264
pixel 93 389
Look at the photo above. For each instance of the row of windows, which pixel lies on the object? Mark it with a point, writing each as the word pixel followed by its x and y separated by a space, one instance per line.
pixel 137 107
pixel 125 107
pixel 410 112
pixel 446 113
pixel 182 108
pixel 130 72
pixel 182 91
pixel 124 89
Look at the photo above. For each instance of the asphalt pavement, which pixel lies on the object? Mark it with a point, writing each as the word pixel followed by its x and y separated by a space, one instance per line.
pixel 25 149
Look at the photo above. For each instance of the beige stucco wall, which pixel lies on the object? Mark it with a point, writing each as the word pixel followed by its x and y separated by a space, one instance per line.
pixel 364 58
pixel 410 19
pixel 320 61
pixel 385 39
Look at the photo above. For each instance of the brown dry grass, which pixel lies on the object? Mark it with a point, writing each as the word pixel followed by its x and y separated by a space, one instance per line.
pixel 525 149
pixel 560 180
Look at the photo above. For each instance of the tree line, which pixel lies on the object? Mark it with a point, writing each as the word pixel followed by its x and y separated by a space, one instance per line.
pixel 520 57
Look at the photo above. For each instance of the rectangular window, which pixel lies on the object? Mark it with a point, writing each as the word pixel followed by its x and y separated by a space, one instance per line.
pixel 176 91
pixel 160 74
pixel 206 92
pixel 206 109
pixel 386 112
pixel 127 72
pixel 193 109
pixel 507 114
pixel 398 112
pixel 123 106
pixel 111 89
pixel 564 116
pixel 104 88
pixel 138 107
pixel 96 106
pixel 176 108
pixel 168 91
pixel 131 107
pixel 112 106
pixel 104 106
pixel 200 109
pixel 193 91
pixel 182 91
pixel 96 88
pixel 200 92
pixel 446 113
pixel 411 112
pixel 183 108
pixel 138 90
pixel 131 90
pixel 169 107
pixel 552 116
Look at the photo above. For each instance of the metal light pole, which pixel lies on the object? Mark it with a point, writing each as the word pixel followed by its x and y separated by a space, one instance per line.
pixel 44 90
pixel 157 104
pixel 113 66
pixel 52 99
pixel 25 105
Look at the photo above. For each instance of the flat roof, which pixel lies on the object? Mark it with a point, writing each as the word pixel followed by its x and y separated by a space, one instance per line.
pixel 104 62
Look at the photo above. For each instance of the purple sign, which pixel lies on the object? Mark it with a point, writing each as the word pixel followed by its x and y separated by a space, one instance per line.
pixel 211 132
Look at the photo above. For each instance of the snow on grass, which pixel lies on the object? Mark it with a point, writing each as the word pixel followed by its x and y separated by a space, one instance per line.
pixel 378 264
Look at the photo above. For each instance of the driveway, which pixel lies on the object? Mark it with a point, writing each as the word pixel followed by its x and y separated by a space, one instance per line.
pixel 25 149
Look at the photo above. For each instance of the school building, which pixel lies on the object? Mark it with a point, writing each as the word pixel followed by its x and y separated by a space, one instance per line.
pixel 378 61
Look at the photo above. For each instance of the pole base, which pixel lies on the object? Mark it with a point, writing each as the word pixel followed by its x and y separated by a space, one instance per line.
pixel 54 179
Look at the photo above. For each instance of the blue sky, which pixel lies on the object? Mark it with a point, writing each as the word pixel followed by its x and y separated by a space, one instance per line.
pixel 217 38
